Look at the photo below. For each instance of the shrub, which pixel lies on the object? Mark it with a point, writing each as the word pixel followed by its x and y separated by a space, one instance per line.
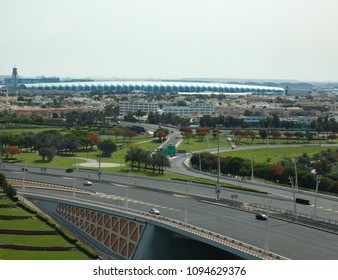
pixel 70 238
pixel 26 207
pixel 46 219
pixel 88 251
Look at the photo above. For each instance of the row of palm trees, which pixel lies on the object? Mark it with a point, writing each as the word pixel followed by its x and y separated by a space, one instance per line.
pixel 144 159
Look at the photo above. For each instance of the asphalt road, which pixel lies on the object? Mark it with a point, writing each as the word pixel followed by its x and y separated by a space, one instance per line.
pixel 178 200
pixel 287 239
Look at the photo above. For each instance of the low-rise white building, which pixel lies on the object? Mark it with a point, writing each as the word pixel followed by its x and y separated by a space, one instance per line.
pixel 134 106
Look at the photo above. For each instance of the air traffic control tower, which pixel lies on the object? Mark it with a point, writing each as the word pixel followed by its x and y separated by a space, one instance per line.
pixel 15 77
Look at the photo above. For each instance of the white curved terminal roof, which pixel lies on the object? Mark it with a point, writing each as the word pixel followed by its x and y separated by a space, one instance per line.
pixel 157 86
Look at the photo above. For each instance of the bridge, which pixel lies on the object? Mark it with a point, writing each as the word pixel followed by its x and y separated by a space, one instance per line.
pixel 120 233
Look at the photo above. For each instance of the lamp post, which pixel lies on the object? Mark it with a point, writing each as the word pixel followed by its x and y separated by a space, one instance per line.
pixel 294 198
pixel 199 157
pixel 127 192
pixel 266 228
pixel 24 178
pixel 296 177
pixel 75 173
pixel 186 204
pixel 218 190
pixel 252 172
pixel 316 195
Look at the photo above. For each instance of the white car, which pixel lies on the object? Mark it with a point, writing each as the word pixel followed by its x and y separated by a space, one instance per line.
pixel 87 183
pixel 154 211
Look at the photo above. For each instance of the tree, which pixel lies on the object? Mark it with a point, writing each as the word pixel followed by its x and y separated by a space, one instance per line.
pixel 263 133
pixel 92 139
pixel 299 135
pixel 13 150
pixel 202 132
pixel 161 133
pixel 70 143
pixel 129 117
pixel 332 136
pixel 215 132
pixel 252 135
pixel 6 187
pixel 139 113
pixel 133 155
pixel 275 134
pixel 288 135
pixel 130 134
pixel 107 147
pixel 48 139
pixel 187 133
pixel 48 152
pixel 161 161
pixel 275 121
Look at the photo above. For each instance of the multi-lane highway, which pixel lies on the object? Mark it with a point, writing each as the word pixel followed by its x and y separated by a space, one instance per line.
pixel 183 201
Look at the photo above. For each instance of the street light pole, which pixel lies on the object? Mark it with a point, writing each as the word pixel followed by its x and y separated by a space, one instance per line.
pixel 74 185
pixel 266 228
pixel 252 171
pixel 186 204
pixel 294 198
pixel 218 190
pixel 127 193
pixel 296 177
pixel 316 195
pixel 199 157
pixel 24 179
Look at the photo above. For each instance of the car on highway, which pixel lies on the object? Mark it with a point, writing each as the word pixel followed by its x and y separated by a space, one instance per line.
pixel 87 183
pixel 69 170
pixel 24 169
pixel 261 216
pixel 154 211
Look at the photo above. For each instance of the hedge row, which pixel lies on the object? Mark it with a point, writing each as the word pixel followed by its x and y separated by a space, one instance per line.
pixel 88 251
pixel 26 207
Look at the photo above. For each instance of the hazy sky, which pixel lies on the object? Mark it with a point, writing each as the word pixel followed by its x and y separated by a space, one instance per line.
pixel 248 39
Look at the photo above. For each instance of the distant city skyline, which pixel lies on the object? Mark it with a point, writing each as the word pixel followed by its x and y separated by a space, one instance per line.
pixel 151 39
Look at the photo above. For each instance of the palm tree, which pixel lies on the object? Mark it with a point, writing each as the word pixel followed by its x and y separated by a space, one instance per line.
pixel 161 161
pixel 133 155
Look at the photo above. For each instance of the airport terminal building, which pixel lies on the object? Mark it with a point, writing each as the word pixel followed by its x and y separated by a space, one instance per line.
pixel 157 87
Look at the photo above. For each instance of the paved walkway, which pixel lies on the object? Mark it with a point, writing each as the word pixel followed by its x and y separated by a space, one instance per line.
pixel 94 163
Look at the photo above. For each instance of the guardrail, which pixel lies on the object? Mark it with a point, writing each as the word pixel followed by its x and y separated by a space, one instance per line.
pixel 53 186
pixel 315 222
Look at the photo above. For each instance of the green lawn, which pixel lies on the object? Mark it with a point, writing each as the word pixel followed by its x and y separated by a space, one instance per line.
pixel 17 211
pixel 8 254
pixel 274 154
pixel 196 144
pixel 6 201
pixel 68 161
pixel 28 224
pixel 34 240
